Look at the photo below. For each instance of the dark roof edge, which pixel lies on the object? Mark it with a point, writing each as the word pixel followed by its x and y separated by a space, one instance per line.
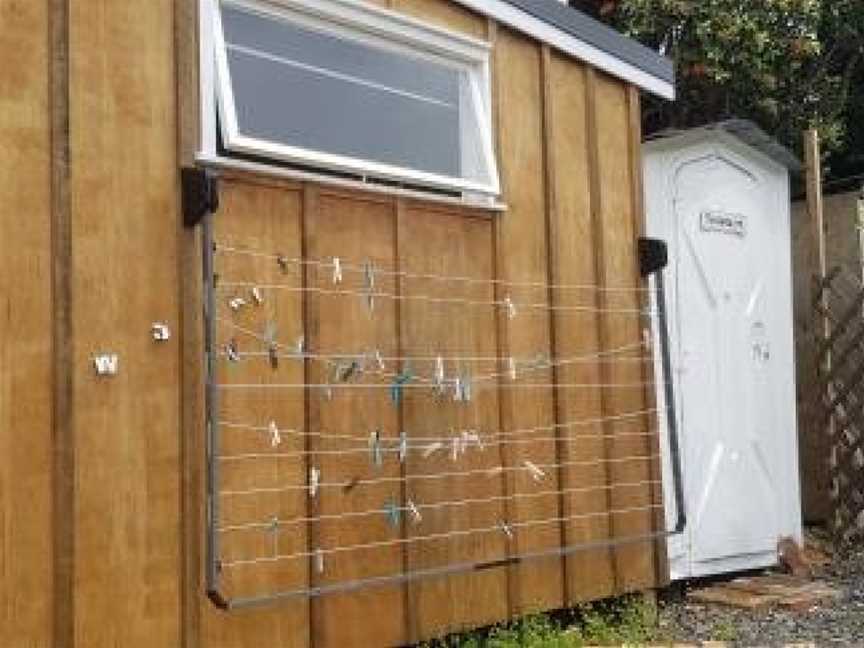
pixel 579 36
pixel 603 37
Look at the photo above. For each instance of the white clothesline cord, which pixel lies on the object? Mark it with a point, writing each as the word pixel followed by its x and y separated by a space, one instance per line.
pixel 450 358
pixel 334 357
pixel 355 267
pixel 443 442
pixel 225 286
pixel 343 386
pixel 601 420
pixel 523 365
pixel 489 472
pixel 278 523
pixel 499 528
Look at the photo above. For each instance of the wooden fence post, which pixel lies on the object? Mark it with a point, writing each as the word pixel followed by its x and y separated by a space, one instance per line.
pixel 819 267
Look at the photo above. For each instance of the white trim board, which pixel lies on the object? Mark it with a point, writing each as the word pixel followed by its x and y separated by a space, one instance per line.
pixel 524 22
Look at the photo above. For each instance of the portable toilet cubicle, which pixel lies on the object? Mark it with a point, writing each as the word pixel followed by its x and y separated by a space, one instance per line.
pixel 719 195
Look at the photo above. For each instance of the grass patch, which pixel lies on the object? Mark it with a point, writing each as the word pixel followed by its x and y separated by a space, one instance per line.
pixel 628 621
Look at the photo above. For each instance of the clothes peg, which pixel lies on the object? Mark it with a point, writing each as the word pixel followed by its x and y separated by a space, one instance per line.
pixel 457 389
pixel 300 346
pixel 236 303
pixel 455 448
pixel 231 351
pixel 471 436
pixel 319 561
pixel 274 531
pixel 275 436
pixel 283 262
pixel 348 370
pixel 535 471
pixel 432 449
pixel 511 368
pixel 398 385
pixel 314 481
pixel 272 345
pixel 350 485
pixel 506 529
pixel 379 360
pixel 257 296
pixel 375 454
pixel 439 376
pixel 393 512
pixel 646 338
pixel 467 389
pixel 369 280
pixel 510 306
pixel 416 517
pixel 462 390
pixel 337 270
pixel 403 447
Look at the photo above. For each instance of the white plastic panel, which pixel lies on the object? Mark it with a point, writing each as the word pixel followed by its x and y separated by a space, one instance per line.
pixel 725 212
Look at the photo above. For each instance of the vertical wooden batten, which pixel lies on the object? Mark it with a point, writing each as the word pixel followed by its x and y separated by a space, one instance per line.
pixel 505 414
pixel 552 278
pixel 63 389
pixel 311 374
pixel 191 328
pixel 600 301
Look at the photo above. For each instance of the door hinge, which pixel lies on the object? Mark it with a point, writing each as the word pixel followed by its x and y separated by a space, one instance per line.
pixel 200 189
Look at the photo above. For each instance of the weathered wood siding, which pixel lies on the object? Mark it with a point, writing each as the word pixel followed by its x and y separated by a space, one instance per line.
pixel 26 330
pixel 102 480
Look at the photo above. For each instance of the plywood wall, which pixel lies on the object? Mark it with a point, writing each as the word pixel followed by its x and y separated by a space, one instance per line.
pixel 101 479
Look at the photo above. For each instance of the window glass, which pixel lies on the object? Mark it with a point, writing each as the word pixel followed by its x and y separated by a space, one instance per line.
pixel 325 90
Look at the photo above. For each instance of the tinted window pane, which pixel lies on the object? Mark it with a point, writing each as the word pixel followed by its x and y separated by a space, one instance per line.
pixel 303 88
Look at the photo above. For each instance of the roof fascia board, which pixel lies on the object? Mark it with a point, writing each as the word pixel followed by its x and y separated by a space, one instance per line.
pixel 543 31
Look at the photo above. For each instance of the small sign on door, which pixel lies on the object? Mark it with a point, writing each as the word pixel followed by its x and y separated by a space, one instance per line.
pixel 724 223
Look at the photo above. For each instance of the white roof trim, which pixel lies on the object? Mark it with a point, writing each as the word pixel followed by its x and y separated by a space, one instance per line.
pixel 516 18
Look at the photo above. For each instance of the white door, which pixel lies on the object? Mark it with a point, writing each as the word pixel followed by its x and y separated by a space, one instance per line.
pixel 725 278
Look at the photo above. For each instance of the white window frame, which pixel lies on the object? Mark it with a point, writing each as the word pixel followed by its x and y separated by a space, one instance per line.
pixel 370 24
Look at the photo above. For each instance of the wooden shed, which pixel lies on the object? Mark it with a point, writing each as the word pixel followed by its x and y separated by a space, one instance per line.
pixel 395 384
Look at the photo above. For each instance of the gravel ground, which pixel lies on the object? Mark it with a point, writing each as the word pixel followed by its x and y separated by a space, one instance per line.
pixel 840 623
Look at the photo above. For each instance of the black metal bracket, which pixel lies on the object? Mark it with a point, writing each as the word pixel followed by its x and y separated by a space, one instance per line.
pixel 653 256
pixel 200 189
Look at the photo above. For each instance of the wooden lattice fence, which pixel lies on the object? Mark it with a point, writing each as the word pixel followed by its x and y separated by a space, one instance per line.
pixel 839 397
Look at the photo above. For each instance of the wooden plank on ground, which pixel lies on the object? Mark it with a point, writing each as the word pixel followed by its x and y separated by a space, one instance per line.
pixel 771 590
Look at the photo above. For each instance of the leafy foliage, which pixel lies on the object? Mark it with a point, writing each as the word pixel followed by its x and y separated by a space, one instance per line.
pixel 786 64
pixel 627 621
